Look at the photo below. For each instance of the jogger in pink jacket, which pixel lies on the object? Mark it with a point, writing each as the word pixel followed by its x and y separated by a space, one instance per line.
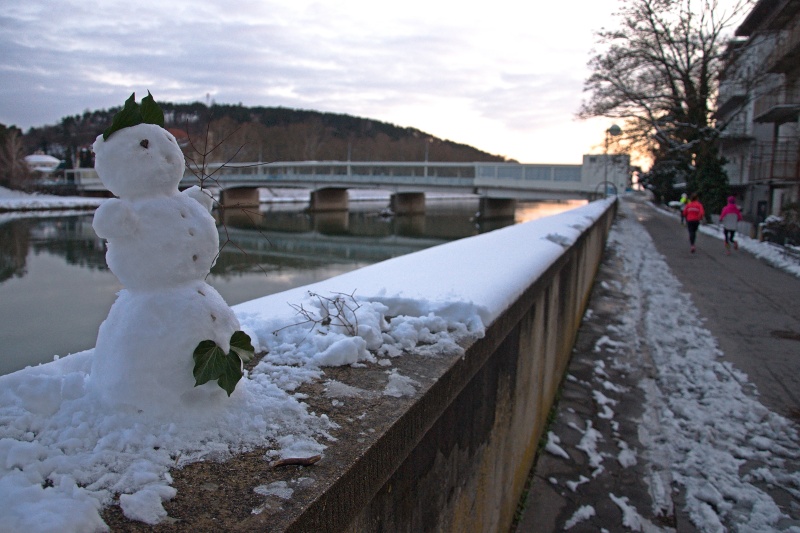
pixel 729 218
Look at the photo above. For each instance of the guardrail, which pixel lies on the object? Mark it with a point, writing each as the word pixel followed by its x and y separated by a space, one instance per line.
pixel 482 178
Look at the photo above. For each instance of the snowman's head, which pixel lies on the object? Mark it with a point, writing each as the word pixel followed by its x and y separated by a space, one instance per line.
pixel 139 161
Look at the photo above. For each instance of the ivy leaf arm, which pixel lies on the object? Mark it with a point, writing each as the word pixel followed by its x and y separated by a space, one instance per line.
pixel 209 362
pixel 242 345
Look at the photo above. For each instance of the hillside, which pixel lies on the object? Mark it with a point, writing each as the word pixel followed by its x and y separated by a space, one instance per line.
pixel 235 132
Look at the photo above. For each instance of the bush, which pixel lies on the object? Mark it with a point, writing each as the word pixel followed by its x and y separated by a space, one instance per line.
pixel 784 229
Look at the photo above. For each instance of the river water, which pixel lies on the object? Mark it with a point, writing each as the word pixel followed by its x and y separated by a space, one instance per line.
pixel 55 287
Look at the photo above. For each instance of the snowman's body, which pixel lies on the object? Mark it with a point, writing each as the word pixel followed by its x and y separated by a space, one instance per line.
pixel 161 245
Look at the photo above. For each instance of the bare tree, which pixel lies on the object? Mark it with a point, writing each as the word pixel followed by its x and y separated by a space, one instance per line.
pixel 658 72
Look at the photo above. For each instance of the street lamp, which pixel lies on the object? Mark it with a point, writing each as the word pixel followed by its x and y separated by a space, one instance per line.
pixel 613 131
pixel 428 142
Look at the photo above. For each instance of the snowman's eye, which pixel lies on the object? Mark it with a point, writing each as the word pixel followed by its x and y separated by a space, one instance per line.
pixel 145 143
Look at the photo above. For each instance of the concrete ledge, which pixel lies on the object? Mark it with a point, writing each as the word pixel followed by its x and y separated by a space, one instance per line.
pixel 456 456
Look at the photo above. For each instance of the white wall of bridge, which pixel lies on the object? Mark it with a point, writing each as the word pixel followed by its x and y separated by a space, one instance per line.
pixel 597 175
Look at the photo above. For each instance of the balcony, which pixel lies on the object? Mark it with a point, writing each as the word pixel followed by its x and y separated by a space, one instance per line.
pixel 777 162
pixel 732 95
pixel 735 133
pixel 777 106
pixel 786 54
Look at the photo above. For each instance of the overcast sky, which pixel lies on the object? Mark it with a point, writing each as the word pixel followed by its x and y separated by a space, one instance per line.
pixel 505 76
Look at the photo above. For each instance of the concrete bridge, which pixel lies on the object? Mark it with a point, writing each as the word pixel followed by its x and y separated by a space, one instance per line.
pixel 499 185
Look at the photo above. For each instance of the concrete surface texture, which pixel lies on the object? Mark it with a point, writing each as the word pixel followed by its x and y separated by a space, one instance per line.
pixel 613 462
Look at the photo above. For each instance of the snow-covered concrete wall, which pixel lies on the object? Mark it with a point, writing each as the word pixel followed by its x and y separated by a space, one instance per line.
pixel 413 390
pixel 458 455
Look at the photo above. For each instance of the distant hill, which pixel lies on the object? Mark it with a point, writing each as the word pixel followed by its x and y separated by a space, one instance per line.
pixel 221 133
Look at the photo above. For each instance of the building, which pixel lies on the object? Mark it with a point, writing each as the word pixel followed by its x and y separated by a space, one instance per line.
pixel 759 106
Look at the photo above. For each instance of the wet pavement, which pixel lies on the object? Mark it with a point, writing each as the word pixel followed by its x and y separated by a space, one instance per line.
pixel 753 312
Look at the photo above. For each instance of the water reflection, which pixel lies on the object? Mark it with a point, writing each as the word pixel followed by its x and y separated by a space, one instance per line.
pixel 444 220
pixel 55 287
pixel 71 238
pixel 14 244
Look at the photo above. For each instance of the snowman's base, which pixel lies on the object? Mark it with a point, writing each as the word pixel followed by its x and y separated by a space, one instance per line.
pixel 143 358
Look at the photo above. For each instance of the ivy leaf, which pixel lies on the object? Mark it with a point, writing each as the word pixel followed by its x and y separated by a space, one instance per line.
pixel 231 374
pixel 129 115
pixel 151 112
pixel 242 345
pixel 132 114
pixel 209 362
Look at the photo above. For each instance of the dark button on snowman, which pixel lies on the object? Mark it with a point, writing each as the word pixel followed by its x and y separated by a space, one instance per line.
pixel 169 332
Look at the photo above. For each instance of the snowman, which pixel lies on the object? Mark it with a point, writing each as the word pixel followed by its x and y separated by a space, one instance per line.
pixel 162 244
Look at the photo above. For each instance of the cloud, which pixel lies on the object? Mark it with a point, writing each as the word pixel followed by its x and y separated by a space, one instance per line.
pixel 490 75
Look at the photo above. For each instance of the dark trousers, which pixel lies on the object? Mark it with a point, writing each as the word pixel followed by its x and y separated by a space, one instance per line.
pixel 730 235
pixel 692 225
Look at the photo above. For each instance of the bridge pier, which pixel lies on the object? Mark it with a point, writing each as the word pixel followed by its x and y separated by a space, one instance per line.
pixel 497 207
pixel 328 199
pixel 239 197
pixel 407 203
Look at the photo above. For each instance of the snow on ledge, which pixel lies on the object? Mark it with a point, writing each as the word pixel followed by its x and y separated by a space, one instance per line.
pixel 63 456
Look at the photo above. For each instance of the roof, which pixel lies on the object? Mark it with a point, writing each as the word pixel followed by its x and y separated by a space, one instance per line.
pixel 768 15
pixel 38 159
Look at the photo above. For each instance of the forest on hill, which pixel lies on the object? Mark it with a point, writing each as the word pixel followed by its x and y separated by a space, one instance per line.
pixel 222 133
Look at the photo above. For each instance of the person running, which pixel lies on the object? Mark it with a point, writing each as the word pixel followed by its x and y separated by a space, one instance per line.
pixel 684 200
pixel 730 218
pixel 694 213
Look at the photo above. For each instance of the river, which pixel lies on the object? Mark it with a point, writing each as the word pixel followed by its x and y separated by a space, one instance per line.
pixel 55 287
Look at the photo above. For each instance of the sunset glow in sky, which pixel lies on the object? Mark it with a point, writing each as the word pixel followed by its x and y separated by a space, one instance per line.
pixel 505 77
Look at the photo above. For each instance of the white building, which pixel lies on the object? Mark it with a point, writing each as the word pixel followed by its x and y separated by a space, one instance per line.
pixel 758 108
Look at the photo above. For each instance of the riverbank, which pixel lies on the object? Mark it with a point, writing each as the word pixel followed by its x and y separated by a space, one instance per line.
pixel 11 200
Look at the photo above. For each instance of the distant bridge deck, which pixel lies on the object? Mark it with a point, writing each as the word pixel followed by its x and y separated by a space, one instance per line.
pixel 490 180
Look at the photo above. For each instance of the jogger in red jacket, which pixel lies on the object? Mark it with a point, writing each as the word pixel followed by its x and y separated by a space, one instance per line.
pixel 694 213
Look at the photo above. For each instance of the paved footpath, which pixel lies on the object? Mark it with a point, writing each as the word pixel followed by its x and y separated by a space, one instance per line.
pixel 753 312
pixel 752 309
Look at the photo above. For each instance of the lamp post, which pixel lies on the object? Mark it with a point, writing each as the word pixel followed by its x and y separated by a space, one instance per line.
pixel 428 142
pixel 614 131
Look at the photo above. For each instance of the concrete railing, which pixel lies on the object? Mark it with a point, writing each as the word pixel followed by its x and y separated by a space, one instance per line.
pixel 493 180
pixel 456 458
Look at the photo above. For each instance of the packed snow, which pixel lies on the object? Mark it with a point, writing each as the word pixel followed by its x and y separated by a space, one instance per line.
pixel 64 454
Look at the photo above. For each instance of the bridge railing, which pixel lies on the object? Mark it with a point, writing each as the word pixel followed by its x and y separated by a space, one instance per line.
pixel 338 168
pixel 398 175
